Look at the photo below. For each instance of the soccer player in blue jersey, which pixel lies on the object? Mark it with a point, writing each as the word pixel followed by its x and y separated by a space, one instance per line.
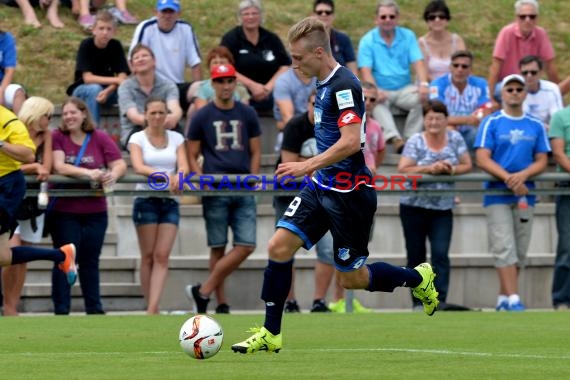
pixel 347 209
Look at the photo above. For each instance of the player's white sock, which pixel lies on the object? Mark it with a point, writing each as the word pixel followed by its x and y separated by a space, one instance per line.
pixel 502 298
pixel 514 299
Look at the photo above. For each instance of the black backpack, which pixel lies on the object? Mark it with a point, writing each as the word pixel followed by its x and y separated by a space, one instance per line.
pixel 29 210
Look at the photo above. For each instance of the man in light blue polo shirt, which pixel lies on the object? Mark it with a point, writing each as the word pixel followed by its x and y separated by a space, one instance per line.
pixel 385 54
pixel 465 95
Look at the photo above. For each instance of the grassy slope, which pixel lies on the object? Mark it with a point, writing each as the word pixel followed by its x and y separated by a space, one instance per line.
pixel 47 55
pixel 467 345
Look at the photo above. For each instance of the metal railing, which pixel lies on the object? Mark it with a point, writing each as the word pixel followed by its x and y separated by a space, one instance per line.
pixel 548 186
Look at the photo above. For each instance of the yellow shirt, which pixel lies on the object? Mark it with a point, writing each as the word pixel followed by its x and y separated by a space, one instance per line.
pixel 13 131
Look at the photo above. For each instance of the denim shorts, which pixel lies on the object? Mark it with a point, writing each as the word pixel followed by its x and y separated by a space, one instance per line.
pixel 155 210
pixel 238 213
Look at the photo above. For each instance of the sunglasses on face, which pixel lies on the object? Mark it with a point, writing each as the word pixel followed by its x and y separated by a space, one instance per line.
pixel 436 17
pixel 384 17
pixel 372 100
pixel 529 72
pixel 324 13
pixel 518 90
pixel 458 65
pixel 524 17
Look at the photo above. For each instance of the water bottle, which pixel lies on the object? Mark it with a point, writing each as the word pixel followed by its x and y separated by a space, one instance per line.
pixel 43 198
pixel 524 212
pixel 107 189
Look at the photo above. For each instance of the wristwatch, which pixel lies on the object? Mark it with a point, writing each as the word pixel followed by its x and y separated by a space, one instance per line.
pixel 1 144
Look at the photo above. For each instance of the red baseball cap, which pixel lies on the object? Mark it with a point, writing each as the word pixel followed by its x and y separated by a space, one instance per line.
pixel 223 71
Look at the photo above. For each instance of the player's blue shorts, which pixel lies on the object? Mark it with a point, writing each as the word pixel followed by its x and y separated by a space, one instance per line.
pixel 324 247
pixel 12 191
pixel 348 216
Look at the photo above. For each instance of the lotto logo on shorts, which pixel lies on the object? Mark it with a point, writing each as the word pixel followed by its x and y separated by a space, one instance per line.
pixel 343 254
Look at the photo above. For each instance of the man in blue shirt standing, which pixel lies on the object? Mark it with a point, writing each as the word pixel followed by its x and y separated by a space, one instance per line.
pixel 512 147
pixel 385 55
pixel 465 95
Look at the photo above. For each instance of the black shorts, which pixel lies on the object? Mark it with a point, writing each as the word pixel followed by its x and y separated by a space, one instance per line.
pixel 348 215
pixel 12 192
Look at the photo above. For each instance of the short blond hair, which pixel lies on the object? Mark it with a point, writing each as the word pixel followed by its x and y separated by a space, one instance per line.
pixel 313 32
pixel 33 109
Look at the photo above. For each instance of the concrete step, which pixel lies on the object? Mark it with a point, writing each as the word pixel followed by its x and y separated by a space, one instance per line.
pixel 473 283
pixel 113 270
pixel 36 298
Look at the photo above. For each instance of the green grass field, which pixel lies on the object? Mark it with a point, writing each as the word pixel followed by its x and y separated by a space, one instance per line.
pixel 466 345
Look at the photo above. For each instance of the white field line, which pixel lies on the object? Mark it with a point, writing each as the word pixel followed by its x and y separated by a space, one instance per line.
pixel 387 349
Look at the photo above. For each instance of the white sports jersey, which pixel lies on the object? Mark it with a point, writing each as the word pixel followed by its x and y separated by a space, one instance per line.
pixel 543 103
pixel 173 50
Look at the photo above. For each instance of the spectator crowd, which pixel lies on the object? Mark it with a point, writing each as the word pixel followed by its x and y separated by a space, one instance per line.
pixel 423 102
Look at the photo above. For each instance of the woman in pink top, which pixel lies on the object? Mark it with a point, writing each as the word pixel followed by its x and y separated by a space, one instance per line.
pixel 82 220
pixel 438 44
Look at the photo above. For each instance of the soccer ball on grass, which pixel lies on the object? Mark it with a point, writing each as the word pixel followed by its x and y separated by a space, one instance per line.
pixel 201 337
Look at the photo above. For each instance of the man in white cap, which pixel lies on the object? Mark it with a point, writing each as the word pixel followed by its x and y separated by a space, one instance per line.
pixel 512 147
pixel 174 45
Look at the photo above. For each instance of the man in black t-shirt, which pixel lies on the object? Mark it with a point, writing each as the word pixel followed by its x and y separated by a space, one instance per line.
pixel 100 66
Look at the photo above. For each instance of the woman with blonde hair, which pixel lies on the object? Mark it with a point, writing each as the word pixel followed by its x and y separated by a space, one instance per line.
pixel 35 114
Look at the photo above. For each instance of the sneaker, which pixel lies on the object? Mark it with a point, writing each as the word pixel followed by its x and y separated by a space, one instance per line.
pixel 426 291
pixel 86 22
pixel 68 266
pixel 319 306
pixel 504 305
pixel 517 307
pixel 123 17
pixel 338 306
pixel 291 306
pixel 261 340
pixel 358 308
pixel 193 293
pixel 223 308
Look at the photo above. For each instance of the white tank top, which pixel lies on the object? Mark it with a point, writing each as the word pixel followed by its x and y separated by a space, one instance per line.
pixel 438 66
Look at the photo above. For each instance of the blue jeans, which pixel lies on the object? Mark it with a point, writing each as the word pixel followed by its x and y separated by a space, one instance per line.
pixel 87 232
pixel 561 279
pixel 237 213
pixel 420 224
pixel 88 93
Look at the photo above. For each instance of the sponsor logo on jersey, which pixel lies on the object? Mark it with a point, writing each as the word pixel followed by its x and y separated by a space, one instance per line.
pixel 344 99
pixel 318 113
